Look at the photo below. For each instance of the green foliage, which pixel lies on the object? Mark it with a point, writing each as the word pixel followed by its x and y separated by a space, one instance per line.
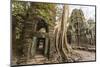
pixel 43 10
pixel 79 26
pixel 24 11
pixel 19 12
pixel 19 8
pixel 77 20
pixel 90 27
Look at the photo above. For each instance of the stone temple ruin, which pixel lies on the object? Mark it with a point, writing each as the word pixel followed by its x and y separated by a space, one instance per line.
pixel 36 39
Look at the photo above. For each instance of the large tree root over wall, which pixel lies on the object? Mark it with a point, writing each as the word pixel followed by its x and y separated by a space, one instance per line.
pixel 65 52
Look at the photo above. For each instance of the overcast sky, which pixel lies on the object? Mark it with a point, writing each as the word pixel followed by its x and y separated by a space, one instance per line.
pixel 89 11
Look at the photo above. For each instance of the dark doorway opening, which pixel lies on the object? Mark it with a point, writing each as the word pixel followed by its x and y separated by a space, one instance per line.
pixel 40 46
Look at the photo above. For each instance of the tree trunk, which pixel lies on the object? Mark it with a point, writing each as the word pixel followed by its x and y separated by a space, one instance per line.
pixel 65 52
pixel 60 35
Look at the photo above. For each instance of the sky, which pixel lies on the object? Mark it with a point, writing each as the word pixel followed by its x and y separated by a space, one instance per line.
pixel 89 11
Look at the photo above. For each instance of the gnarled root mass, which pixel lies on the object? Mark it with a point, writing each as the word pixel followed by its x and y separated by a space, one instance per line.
pixel 65 52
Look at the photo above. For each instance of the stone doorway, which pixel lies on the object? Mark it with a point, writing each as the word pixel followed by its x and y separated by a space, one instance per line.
pixel 40 47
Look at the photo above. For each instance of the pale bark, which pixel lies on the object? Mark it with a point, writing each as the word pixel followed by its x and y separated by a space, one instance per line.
pixel 63 49
pixel 60 34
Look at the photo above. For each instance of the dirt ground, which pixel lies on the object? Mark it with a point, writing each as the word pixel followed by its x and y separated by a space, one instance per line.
pixel 86 56
pixel 40 59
